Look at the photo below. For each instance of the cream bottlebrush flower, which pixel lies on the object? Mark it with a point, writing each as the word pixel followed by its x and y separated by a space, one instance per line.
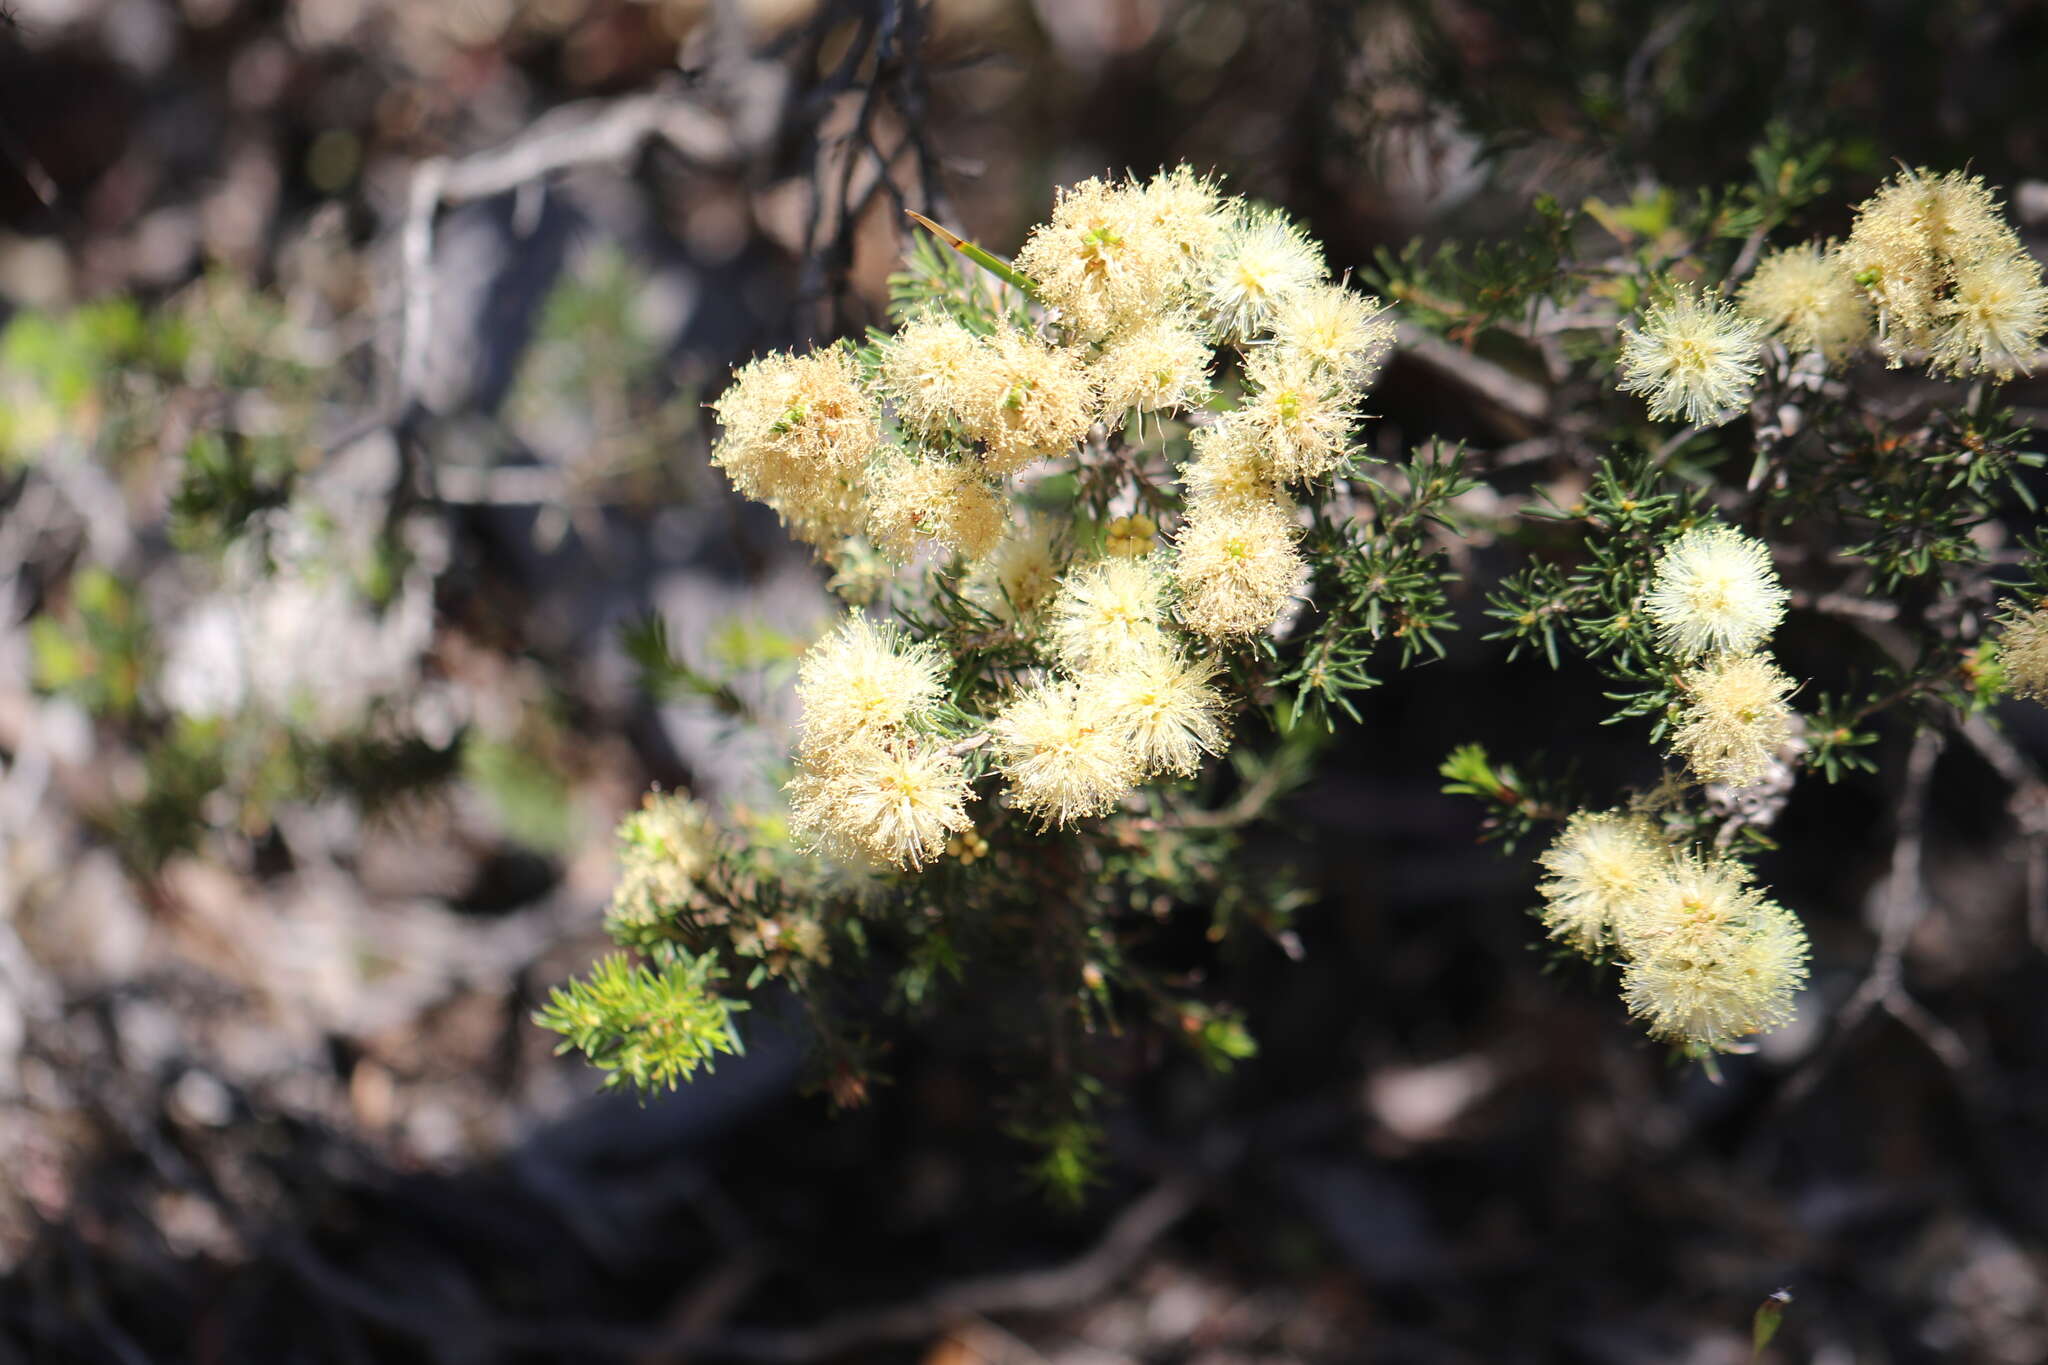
pixel 1596 865
pixel 1029 401
pixel 798 432
pixel 1714 589
pixel 1229 468
pixel 1165 707
pixel 1236 568
pixel 1993 321
pixel 935 500
pixel 1064 758
pixel 1299 415
pixel 1734 719
pixel 665 848
pixel 1157 366
pixel 864 683
pixel 2023 652
pixel 1262 260
pixel 1337 330
pixel 1909 243
pixel 1187 210
pixel 896 803
pixel 1102 261
pixel 1108 612
pixel 1022 572
pixel 1694 357
pixel 1711 960
pixel 1808 296
pixel 930 370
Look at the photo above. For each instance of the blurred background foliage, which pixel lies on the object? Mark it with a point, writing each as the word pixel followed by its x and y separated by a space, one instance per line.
pixel 350 604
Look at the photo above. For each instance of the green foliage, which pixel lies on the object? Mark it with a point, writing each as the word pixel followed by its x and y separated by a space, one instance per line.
pixel 645 1027
pixel 97 649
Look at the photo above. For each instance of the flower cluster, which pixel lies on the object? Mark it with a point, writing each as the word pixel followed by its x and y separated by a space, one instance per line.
pixel 1128 704
pixel 1931 271
pixel 1117 632
pixel 1948 275
pixel 1714 600
pixel 1706 958
pixel 875 783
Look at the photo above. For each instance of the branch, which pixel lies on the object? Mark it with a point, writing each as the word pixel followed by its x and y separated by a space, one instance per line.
pixel 1900 904
pixel 588 132
pixel 1517 396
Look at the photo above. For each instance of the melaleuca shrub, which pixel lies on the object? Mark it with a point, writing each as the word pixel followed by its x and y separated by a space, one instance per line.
pixel 1111 544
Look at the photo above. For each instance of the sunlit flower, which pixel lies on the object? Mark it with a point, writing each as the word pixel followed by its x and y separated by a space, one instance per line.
pixel 1596 864
pixel 1992 322
pixel 930 368
pixel 1062 756
pixel 1229 468
pixel 798 432
pixel 935 500
pixel 1337 330
pixel 1710 960
pixel 1263 260
pixel 1298 414
pixel 898 803
pixel 1102 260
pixel 1734 719
pixel 1808 296
pixel 1022 572
pixel 1107 612
pixel 1714 589
pixel 1185 209
pixel 1030 401
pixel 1911 243
pixel 2023 652
pixel 864 682
pixel 665 848
pixel 1165 707
pixel 1236 567
pixel 1694 357
pixel 1157 366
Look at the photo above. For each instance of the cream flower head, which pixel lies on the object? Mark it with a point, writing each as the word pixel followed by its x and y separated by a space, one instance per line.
pixel 1236 567
pixel 1161 365
pixel 1108 612
pixel 1694 357
pixel 1029 401
pixel 1021 573
pixel 1104 259
pixel 935 500
pixel 1264 259
pixel 1808 296
pixel 2023 652
pixel 665 848
pixel 1338 330
pixel 1714 589
pixel 1297 413
pixel 1064 758
pixel 798 433
pixel 1711 960
pixel 1992 322
pixel 930 369
pixel 864 683
pixel 895 803
pixel 1734 719
pixel 1166 709
pixel 1597 863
